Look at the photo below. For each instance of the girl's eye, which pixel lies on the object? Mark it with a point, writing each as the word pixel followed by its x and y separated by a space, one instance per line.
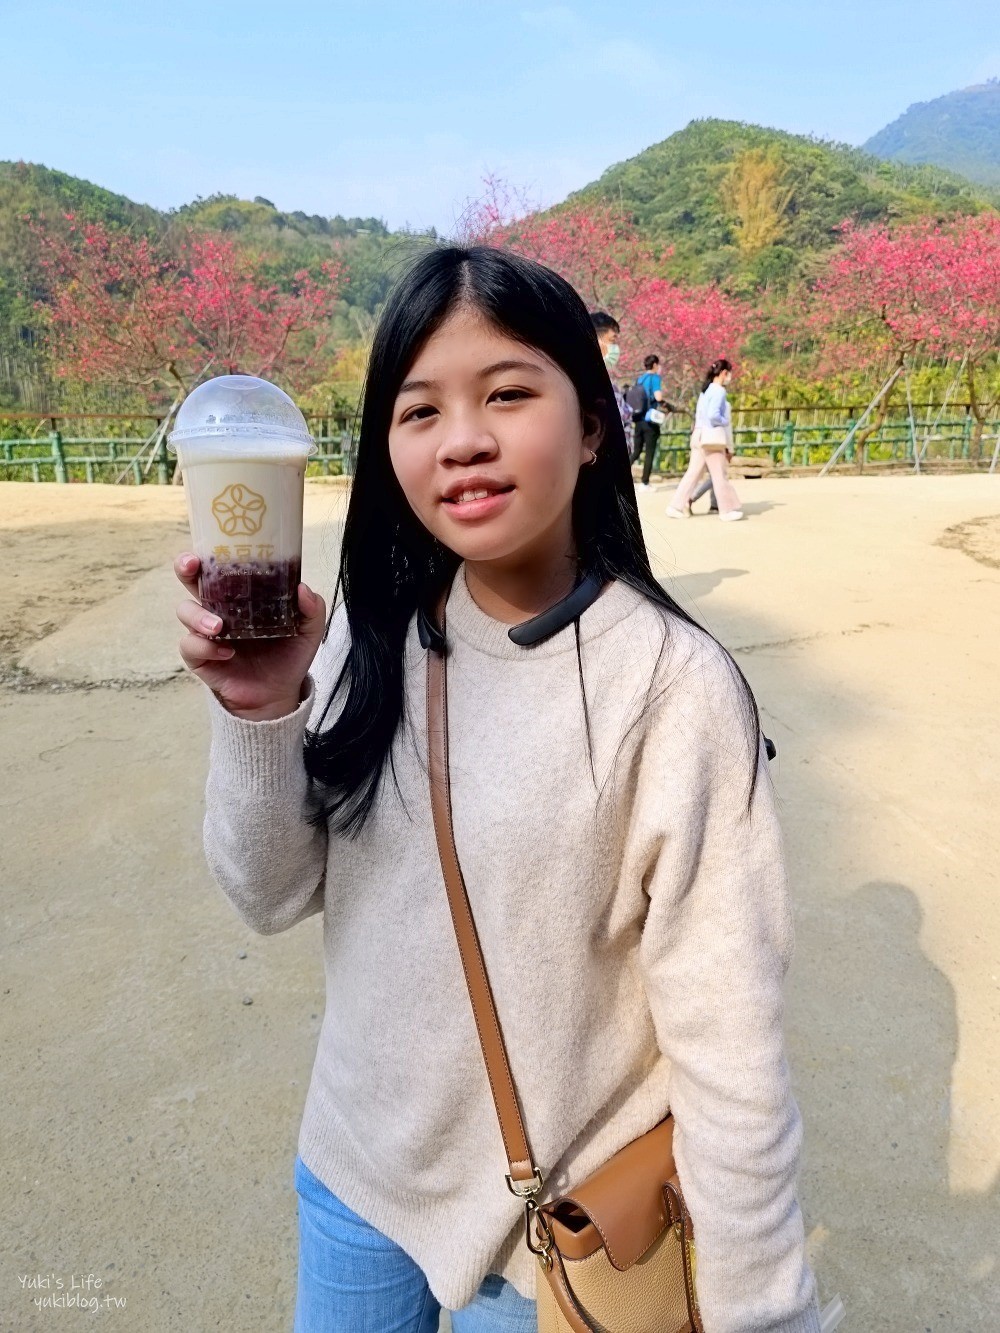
pixel 510 395
pixel 418 414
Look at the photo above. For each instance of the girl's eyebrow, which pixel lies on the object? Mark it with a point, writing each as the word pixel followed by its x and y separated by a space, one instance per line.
pixel 498 367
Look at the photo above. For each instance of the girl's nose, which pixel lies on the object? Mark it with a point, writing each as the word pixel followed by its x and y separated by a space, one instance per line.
pixel 465 443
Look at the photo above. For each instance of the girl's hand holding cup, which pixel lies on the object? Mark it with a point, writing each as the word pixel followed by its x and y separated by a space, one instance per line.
pixel 257 679
pixel 253 627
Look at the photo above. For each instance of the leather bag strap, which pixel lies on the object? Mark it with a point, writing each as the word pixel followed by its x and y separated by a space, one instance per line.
pixel 515 1142
pixel 562 1294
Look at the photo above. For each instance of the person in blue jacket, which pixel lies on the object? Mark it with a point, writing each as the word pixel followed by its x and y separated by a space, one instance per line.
pixel 647 429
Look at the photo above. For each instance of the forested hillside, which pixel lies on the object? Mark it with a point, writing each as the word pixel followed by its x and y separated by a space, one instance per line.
pixel 719 215
pixel 960 131
pixel 753 206
pixel 287 243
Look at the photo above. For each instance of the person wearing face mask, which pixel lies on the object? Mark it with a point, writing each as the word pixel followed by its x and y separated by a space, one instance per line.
pixel 608 331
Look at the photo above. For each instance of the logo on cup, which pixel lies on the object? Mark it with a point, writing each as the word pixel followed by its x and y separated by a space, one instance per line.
pixel 239 511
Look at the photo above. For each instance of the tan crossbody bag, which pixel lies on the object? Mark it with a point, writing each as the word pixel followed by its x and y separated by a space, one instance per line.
pixel 616 1255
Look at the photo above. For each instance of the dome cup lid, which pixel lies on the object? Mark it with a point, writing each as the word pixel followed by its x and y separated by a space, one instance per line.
pixel 238 408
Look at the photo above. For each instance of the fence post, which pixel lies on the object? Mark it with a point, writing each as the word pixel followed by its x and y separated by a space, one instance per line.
pixel 849 451
pixel 162 461
pixel 789 441
pixel 58 456
pixel 966 433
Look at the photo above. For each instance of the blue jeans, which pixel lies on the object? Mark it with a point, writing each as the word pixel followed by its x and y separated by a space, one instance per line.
pixel 352 1279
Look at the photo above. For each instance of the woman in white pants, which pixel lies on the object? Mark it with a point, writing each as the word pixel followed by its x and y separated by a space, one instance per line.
pixel 711 441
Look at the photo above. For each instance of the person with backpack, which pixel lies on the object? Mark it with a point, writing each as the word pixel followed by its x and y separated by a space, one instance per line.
pixel 608 332
pixel 606 783
pixel 647 403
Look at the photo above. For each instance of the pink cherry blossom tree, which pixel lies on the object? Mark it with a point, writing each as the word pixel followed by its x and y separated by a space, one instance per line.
pixel 888 293
pixel 131 309
pixel 599 250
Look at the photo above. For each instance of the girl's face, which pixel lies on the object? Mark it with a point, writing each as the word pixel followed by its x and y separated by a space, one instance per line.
pixel 487 440
pixel 725 376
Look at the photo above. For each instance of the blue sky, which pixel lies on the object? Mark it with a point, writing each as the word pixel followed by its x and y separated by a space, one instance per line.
pixel 397 110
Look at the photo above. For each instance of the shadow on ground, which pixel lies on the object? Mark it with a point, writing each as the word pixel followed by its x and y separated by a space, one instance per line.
pixel 877 1039
pixel 872 1029
pixel 153 1111
pixel 689 589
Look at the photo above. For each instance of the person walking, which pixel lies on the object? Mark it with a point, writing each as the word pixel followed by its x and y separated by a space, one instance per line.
pixel 620 846
pixel 705 488
pixel 711 445
pixel 648 405
pixel 608 332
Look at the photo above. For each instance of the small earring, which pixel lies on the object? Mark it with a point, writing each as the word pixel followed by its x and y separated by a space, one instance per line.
pixel 593 458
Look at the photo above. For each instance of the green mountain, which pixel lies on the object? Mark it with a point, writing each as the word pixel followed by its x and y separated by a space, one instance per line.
pixel 27 188
pixel 287 241
pixel 290 240
pixel 723 200
pixel 750 206
pixel 34 191
pixel 960 131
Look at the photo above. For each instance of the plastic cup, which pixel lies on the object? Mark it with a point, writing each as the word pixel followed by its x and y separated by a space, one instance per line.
pixel 242 445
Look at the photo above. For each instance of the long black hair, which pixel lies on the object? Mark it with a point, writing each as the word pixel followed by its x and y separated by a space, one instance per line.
pixel 390 564
pixel 715 370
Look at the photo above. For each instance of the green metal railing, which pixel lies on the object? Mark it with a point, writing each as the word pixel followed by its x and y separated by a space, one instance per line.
pixel 56 454
pixel 789 438
pixel 785 438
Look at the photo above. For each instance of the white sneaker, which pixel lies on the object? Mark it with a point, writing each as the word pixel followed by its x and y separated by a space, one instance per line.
pixel 733 516
pixel 679 513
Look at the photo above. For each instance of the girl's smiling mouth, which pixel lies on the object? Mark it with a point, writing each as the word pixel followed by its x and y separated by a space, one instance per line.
pixel 477 501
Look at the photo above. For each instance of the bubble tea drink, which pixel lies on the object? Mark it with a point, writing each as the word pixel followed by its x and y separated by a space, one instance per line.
pixel 243 445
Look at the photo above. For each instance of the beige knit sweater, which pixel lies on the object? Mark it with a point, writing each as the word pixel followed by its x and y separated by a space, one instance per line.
pixel 635 923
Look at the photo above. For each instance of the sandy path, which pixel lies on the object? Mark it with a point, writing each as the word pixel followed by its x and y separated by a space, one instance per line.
pixel 154 1113
pixel 69 548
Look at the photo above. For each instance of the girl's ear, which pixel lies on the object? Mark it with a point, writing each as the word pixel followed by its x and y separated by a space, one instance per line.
pixel 593 426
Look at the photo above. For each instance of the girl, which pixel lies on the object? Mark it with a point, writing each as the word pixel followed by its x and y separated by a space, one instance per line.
pixel 711 447
pixel 612 812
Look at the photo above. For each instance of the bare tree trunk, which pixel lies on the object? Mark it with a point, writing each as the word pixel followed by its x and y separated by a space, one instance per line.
pixel 976 443
pixel 876 424
pixel 178 478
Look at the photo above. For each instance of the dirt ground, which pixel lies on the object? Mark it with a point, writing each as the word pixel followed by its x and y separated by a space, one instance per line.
pixel 70 547
pixel 156 1052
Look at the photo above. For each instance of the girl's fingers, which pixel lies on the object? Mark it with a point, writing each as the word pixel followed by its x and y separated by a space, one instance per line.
pixel 194 617
pixel 187 568
pixel 308 601
pixel 313 610
pixel 198 652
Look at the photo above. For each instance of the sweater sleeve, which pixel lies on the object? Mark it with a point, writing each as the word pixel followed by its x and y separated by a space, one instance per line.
pixel 269 861
pixel 716 944
pixel 717 405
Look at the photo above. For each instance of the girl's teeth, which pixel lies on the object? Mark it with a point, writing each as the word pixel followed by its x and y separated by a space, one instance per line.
pixel 472 495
